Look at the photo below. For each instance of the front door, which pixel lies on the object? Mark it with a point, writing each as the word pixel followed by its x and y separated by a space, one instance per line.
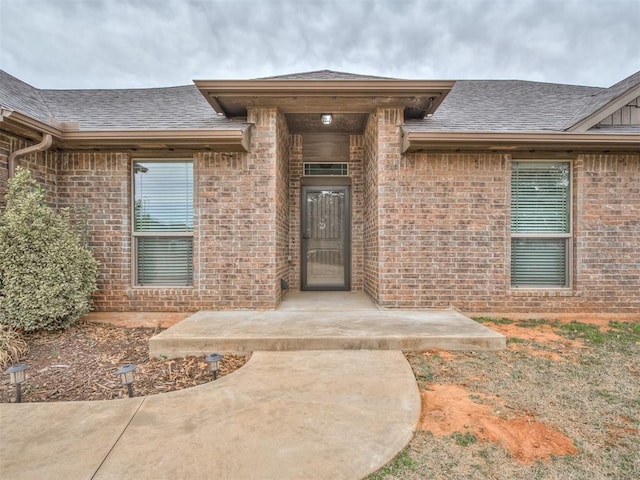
pixel 325 238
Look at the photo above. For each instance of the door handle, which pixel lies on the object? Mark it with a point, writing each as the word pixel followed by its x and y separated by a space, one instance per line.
pixel 305 236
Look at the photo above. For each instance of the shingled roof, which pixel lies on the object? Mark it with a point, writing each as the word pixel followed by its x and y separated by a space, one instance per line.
pixel 170 108
pixel 135 109
pixel 325 75
pixel 505 106
pixel 471 106
pixel 20 96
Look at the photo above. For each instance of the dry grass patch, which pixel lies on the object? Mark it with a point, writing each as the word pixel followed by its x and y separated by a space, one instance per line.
pixel 568 392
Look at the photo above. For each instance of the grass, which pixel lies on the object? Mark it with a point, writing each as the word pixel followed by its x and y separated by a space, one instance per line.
pixel 401 463
pixel 590 394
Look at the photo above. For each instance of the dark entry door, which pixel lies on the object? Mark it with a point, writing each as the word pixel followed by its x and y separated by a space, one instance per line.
pixel 325 238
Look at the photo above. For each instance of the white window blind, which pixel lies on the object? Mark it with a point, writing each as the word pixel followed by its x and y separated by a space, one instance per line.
pixel 540 223
pixel 163 222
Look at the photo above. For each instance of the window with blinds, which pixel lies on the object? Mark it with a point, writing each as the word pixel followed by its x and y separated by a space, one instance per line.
pixel 540 224
pixel 163 222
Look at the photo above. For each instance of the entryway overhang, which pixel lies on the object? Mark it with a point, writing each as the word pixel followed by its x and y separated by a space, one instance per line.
pixel 421 141
pixel 350 101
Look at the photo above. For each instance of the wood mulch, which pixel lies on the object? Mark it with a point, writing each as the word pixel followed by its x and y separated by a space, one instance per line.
pixel 80 364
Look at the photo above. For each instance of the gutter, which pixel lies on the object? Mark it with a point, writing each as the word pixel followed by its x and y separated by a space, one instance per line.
pixel 416 141
pixel 44 144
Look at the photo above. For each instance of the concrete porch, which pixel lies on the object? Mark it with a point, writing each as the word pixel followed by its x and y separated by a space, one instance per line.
pixel 323 321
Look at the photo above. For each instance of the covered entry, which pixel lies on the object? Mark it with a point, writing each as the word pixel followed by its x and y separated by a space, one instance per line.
pixel 325 238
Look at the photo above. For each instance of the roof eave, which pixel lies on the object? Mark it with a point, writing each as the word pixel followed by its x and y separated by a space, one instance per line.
pixel 25 125
pixel 413 141
pixel 237 139
pixel 315 87
pixel 221 93
pixel 228 140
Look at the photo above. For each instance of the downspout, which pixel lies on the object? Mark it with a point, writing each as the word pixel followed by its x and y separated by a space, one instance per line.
pixel 44 144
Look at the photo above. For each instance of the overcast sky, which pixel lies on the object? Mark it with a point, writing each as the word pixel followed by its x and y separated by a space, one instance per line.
pixel 146 43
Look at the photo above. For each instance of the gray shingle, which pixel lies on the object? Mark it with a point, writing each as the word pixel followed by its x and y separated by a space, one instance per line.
pixel 136 109
pixel 505 105
pixel 325 75
pixel 22 97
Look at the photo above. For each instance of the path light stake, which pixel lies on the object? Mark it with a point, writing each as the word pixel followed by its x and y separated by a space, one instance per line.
pixel 17 375
pixel 127 377
pixel 213 359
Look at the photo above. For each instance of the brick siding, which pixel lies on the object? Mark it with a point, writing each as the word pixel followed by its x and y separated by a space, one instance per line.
pixel 430 230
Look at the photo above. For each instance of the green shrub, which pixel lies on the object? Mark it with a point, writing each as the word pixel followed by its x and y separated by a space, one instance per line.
pixel 12 346
pixel 46 274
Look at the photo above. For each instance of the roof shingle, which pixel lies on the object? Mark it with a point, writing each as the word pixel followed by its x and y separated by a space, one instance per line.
pixel 505 105
pixel 172 108
pixel 325 75
pixel 19 96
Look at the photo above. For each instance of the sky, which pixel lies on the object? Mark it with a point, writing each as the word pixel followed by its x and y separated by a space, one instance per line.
pixel 71 44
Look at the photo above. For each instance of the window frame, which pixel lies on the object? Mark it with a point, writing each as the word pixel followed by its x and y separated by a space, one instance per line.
pixel 566 236
pixel 136 235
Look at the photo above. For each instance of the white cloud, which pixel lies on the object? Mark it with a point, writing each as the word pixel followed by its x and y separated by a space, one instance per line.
pixel 135 43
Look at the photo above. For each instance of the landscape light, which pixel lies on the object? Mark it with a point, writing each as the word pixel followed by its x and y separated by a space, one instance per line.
pixel 17 375
pixel 213 359
pixel 127 377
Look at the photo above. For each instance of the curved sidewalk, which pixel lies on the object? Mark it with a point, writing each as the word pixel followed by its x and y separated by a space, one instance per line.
pixel 284 415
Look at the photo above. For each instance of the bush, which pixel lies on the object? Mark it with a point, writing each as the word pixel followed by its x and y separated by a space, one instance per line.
pixel 12 346
pixel 46 274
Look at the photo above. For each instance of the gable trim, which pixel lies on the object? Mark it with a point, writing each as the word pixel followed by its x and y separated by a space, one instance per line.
pixel 603 112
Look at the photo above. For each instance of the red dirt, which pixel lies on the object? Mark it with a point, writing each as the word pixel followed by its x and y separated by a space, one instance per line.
pixel 539 333
pixel 600 319
pixel 447 409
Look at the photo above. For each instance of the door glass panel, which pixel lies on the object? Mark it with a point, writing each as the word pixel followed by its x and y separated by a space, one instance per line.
pixel 325 239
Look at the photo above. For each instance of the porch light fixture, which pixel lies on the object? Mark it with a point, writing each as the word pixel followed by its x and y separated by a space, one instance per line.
pixel 326 118
pixel 17 375
pixel 127 377
pixel 213 359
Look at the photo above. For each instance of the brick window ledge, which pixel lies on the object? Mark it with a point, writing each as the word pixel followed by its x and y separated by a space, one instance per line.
pixel 544 292
pixel 158 291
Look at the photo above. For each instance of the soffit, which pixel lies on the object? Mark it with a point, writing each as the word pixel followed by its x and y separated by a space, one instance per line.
pixel 349 123
pixel 234 97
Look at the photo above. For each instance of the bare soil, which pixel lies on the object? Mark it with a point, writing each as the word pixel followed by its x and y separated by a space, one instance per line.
pixel 80 364
pixel 448 409
pixel 561 402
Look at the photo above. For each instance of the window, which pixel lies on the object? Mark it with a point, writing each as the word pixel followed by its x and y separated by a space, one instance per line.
pixel 326 169
pixel 540 224
pixel 163 222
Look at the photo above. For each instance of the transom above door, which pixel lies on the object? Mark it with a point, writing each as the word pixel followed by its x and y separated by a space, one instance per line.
pixel 326 248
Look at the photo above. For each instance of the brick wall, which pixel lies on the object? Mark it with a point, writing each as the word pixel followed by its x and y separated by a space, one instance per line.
pixel 356 153
pixel 607 232
pixel 295 173
pixel 96 186
pixel 282 204
pixel 370 207
pixel 428 231
pixel 449 244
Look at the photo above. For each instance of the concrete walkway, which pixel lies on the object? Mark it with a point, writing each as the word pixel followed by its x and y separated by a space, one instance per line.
pixel 284 415
pixel 324 321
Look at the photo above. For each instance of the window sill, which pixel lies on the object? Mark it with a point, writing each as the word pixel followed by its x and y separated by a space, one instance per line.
pixel 544 292
pixel 144 291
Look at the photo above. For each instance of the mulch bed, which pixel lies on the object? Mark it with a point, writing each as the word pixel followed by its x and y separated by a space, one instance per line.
pixel 80 364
